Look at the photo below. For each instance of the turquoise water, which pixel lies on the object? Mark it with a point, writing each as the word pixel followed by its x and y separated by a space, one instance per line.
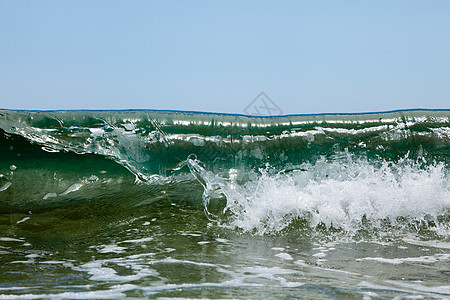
pixel 133 204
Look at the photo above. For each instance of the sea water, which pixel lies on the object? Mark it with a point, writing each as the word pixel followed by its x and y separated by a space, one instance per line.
pixel 155 204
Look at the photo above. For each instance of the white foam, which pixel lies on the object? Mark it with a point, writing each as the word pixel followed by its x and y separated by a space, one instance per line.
pixel 222 240
pixel 73 188
pixel 115 292
pixel 285 256
pixel 23 220
pixel 319 254
pixel 278 249
pixel 142 240
pixel 8 239
pixel 92 178
pixel 336 193
pixel 5 186
pixel 49 195
pixel 397 261
pixel 49 149
pixel 111 249
pixel 98 272
pixel 185 262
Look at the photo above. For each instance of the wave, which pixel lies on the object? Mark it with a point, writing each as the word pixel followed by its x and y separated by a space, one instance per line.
pixel 261 175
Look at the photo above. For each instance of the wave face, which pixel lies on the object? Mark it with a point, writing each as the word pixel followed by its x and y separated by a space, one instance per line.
pixel 358 173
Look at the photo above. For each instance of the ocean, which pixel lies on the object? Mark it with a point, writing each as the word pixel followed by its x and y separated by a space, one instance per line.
pixel 190 205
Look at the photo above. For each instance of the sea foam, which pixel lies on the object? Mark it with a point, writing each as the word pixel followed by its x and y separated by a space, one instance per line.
pixel 344 193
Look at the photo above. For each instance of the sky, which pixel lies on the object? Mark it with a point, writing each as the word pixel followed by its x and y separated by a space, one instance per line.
pixel 218 56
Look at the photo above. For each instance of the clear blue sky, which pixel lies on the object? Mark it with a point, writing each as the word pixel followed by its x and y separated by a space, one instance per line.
pixel 308 56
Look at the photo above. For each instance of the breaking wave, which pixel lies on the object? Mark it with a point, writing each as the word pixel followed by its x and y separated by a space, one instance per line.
pixel 379 173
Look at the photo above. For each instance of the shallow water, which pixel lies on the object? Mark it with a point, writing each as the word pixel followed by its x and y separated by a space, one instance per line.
pixel 146 209
pixel 170 250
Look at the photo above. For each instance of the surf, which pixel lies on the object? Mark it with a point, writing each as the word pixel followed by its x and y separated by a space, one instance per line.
pixel 257 174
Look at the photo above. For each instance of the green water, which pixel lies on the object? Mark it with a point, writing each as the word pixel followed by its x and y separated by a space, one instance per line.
pixel 143 204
